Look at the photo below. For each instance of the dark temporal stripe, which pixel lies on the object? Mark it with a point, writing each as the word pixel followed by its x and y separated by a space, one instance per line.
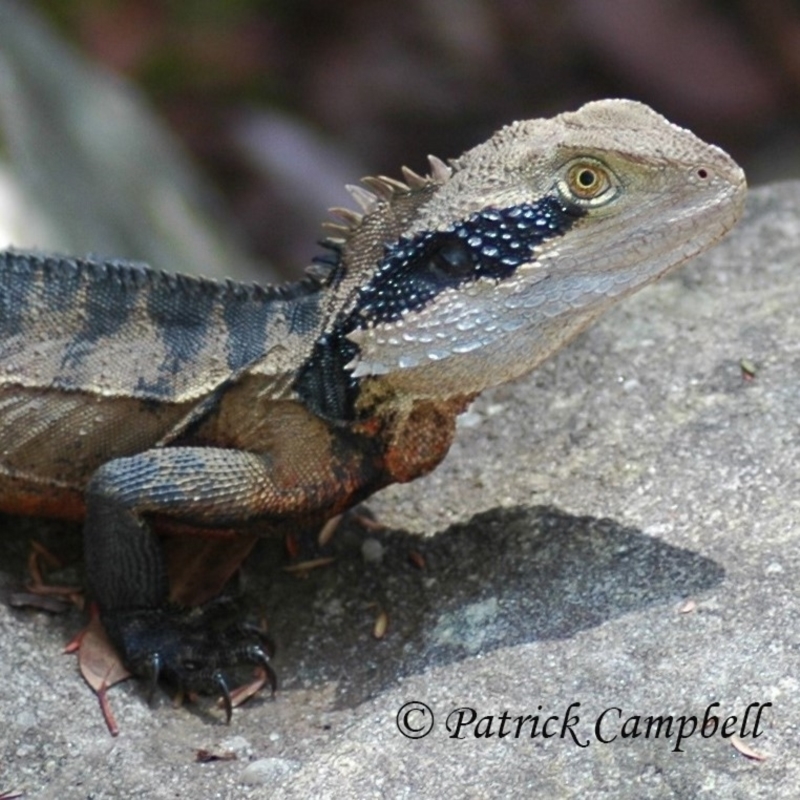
pixel 491 243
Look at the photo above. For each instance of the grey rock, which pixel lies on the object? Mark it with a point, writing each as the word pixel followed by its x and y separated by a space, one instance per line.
pixel 620 530
pixel 372 550
pixel 268 771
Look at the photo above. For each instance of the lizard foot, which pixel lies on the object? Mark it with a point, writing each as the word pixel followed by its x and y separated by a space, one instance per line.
pixel 191 649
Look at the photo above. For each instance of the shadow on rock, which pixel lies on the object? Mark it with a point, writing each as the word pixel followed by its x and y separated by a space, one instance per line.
pixel 506 577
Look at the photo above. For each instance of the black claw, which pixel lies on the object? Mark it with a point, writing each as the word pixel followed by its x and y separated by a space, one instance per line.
pixel 258 656
pixel 222 685
pixel 268 644
pixel 272 678
pixel 153 667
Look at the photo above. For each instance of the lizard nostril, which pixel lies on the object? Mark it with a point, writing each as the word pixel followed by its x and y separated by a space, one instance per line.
pixel 702 173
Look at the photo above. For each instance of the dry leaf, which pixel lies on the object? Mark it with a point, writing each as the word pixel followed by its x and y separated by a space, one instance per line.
pixel 38 586
pixel 381 625
pixel 205 756
pixel 38 601
pixel 749 371
pixel 99 663
pixel 200 563
pixel 328 529
pixel 746 750
pixel 292 547
pixel 108 714
pixel 306 566
pixel 243 693
pixel 368 523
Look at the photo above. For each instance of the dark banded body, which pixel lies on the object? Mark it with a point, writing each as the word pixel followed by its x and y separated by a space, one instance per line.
pixel 106 359
pixel 120 329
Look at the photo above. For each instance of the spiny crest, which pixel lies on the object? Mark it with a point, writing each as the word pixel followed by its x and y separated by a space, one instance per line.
pixel 381 189
pixel 133 276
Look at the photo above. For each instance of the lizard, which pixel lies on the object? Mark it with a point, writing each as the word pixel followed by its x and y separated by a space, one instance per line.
pixel 134 399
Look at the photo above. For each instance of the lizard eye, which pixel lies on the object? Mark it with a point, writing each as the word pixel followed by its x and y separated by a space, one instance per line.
pixel 588 182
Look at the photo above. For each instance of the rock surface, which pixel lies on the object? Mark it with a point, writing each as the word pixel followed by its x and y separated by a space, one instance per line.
pixel 620 530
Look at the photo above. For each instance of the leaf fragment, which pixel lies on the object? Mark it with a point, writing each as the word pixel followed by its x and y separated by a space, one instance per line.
pixel 203 756
pixel 688 607
pixel 328 529
pixel 746 750
pixel 381 625
pixel 306 566
pixel 748 368
pixel 99 663
pixel 241 694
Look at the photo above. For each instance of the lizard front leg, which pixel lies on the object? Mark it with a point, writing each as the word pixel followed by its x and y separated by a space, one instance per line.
pixel 208 487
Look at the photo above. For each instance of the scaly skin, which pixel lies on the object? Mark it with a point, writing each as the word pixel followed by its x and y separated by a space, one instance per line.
pixel 135 398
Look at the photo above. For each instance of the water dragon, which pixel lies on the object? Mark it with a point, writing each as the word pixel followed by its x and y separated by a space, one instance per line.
pixel 137 400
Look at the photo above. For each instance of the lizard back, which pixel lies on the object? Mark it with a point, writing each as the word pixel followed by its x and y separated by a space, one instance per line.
pixel 121 329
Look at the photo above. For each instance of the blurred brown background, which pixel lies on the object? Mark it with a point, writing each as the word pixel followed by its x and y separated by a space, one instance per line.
pixel 282 102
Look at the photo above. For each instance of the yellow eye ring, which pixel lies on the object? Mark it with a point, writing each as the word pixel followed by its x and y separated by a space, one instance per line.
pixel 587 180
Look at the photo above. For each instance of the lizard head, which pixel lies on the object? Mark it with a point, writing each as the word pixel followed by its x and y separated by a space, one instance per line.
pixel 473 275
